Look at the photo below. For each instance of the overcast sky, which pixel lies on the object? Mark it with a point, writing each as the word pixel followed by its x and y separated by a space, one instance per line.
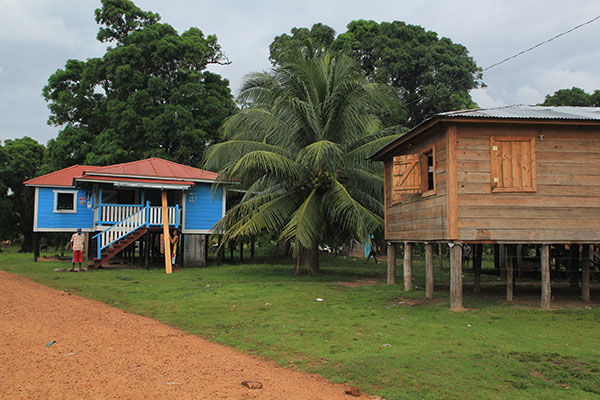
pixel 38 36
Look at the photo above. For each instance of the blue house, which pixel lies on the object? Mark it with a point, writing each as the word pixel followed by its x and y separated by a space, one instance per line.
pixel 120 204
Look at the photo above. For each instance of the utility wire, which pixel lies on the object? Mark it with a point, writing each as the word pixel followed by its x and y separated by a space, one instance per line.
pixel 541 43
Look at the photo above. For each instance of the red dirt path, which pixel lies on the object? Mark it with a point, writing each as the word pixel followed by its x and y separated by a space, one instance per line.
pixel 102 352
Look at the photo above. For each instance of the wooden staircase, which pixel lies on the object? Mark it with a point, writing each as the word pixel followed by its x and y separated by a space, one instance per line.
pixel 109 252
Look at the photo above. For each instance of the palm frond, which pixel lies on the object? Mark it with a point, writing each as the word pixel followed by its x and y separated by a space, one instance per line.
pixel 305 225
pixel 349 214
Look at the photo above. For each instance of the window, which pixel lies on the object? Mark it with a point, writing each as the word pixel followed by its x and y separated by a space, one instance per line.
pixel 406 176
pixel 428 172
pixel 512 164
pixel 65 201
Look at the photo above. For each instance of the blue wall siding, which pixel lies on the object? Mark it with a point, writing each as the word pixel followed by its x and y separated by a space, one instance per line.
pixel 203 208
pixel 47 218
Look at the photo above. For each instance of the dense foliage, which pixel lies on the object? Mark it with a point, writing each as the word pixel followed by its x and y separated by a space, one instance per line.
pixel 20 159
pixel 430 74
pixel 573 97
pixel 148 96
pixel 299 149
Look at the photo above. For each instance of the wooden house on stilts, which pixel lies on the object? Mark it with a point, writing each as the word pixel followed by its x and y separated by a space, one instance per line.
pixel 121 204
pixel 517 175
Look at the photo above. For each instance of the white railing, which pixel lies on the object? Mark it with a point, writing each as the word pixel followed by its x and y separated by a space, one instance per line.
pixel 134 218
pixel 121 229
pixel 113 213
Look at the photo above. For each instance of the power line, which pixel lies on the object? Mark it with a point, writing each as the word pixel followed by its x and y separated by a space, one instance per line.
pixel 541 43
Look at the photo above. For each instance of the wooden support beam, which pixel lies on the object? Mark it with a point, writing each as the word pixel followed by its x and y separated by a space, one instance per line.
pixel 477 257
pixel 509 254
pixel 166 234
pixel 585 274
pixel 391 263
pixel 456 302
pixel 428 271
pixel 147 246
pixel 407 266
pixel 545 267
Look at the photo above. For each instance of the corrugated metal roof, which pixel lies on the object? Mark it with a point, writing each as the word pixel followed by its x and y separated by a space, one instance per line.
pixel 154 168
pixel 62 177
pixel 532 112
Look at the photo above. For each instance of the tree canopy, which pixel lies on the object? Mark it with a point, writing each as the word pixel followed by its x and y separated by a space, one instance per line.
pixel 299 149
pixel 148 96
pixel 573 97
pixel 20 160
pixel 430 74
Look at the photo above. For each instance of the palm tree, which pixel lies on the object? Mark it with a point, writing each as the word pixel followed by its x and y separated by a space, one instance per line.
pixel 298 147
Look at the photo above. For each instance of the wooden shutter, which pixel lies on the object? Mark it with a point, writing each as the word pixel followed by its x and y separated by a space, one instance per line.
pixel 512 164
pixel 406 175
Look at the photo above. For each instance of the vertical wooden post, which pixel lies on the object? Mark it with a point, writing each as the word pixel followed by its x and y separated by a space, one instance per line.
pixel 252 244
pixel 241 250
pixel 408 266
pixel 477 257
pixel 166 234
pixel 147 250
pixel 428 271
pixel 456 302
pixel 391 263
pixel 545 267
pixel 231 248
pixel 509 252
pixel 574 266
pixel 220 251
pixel 86 248
pixel 36 246
pixel 585 273
pixel 441 255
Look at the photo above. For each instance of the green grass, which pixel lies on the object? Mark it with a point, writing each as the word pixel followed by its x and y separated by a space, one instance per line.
pixel 359 335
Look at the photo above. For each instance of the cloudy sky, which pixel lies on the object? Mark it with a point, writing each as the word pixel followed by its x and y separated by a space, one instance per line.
pixel 38 36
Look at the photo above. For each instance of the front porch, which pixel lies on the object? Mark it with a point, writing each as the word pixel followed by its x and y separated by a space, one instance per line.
pixel 110 214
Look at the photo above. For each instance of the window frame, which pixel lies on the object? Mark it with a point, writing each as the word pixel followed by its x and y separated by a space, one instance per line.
pixel 496 165
pixel 425 191
pixel 71 192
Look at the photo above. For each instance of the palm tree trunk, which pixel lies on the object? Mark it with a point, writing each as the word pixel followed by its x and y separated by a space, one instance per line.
pixel 312 259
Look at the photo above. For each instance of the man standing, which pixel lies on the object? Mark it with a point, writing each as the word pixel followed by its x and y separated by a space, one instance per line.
pixel 77 245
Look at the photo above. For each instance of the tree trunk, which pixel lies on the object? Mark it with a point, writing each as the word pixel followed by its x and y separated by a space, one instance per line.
pixel 312 260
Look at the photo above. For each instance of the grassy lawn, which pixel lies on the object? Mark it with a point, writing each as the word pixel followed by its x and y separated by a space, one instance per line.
pixel 365 335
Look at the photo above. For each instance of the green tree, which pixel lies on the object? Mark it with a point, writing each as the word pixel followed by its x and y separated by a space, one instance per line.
pixel 573 97
pixel 20 160
pixel 430 74
pixel 299 148
pixel 148 96
pixel 311 42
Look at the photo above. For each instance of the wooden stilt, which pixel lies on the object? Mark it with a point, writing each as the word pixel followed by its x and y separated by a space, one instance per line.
pixel 428 271
pixel 441 255
pixel 574 266
pixel 391 263
pixel 241 250
pixel 408 266
pixel 167 235
pixel 585 273
pixel 456 302
pixel 147 250
pixel 509 254
pixel 545 267
pixel 477 256
pixel 36 246
pixel 252 245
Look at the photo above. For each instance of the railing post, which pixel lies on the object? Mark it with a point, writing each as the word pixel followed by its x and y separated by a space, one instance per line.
pixel 147 214
pixel 176 215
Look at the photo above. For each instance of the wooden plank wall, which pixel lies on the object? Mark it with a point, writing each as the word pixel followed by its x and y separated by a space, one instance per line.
pixel 419 218
pixel 564 208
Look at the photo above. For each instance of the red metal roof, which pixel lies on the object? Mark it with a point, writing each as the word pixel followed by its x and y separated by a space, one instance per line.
pixel 150 170
pixel 135 180
pixel 154 168
pixel 62 177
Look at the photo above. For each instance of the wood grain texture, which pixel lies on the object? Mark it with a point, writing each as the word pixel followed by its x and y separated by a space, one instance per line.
pixel 545 267
pixel 456 302
pixel 429 271
pixel 391 263
pixel 407 267
pixel 452 183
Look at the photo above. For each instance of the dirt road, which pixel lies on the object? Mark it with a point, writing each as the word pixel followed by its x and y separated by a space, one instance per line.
pixel 101 352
